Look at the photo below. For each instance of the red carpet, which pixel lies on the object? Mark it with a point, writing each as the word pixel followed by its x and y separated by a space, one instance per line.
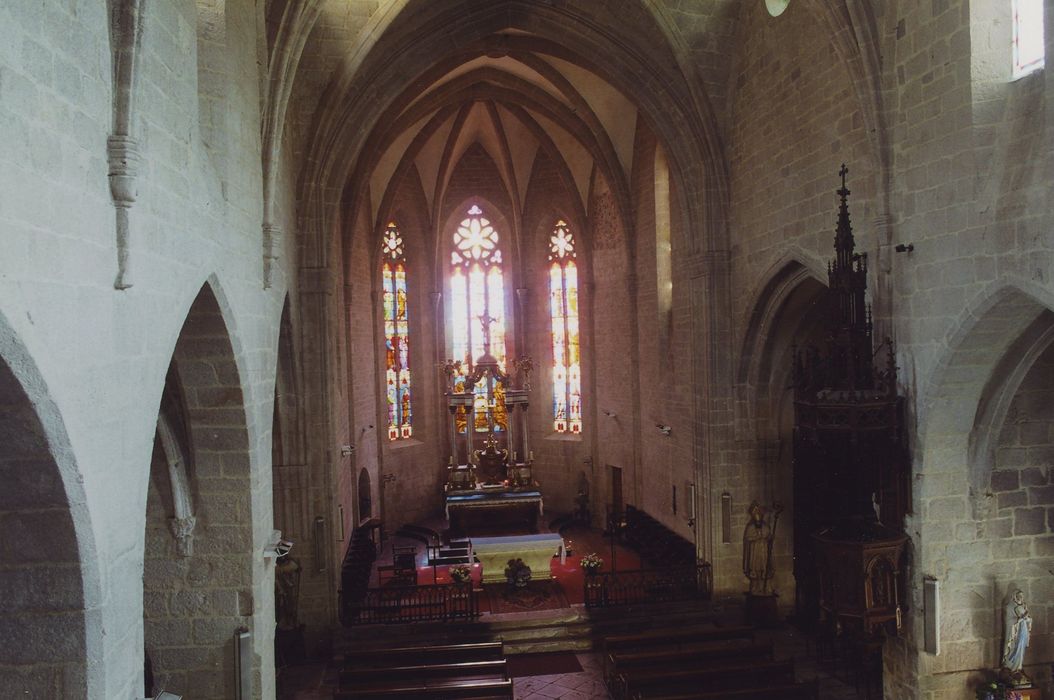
pixel 537 595
pixel 568 576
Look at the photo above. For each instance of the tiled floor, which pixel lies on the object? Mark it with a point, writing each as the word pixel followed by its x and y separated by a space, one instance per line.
pixel 586 685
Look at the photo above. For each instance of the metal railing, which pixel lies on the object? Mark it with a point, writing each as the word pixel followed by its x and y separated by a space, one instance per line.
pixel 662 585
pixel 398 604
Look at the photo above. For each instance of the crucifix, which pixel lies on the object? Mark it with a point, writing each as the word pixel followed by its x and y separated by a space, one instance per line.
pixel 485 320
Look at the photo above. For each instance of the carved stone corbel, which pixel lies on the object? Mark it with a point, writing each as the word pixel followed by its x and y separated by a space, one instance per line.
pixel 122 151
pixel 183 532
pixel 123 155
pixel 272 246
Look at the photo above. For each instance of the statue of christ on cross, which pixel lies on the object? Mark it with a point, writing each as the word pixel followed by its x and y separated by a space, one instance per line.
pixel 485 320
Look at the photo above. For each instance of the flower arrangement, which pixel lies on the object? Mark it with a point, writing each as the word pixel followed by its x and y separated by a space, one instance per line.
pixel 517 573
pixel 996 691
pixel 460 573
pixel 591 563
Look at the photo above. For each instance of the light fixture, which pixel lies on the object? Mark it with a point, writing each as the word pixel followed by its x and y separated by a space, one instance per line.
pixel 664 429
pixel 609 414
pixel 776 7
pixel 277 548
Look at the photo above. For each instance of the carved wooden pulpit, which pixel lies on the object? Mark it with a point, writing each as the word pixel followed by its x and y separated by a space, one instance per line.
pixel 851 466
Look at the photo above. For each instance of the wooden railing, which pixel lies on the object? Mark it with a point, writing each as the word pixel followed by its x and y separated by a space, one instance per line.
pixel 397 604
pixel 662 585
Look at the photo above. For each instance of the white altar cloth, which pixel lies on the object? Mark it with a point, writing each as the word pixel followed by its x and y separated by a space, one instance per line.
pixel 536 551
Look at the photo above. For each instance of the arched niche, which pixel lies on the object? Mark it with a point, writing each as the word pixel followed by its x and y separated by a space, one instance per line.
pixel 51 626
pixel 981 473
pixel 196 598
pixel 789 311
pixel 365 496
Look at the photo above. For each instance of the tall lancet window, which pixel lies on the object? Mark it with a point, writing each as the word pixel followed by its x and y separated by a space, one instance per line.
pixel 477 298
pixel 563 314
pixel 1027 36
pixel 396 335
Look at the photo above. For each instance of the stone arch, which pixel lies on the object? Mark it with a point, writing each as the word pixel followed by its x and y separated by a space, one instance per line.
pixel 788 310
pixel 981 476
pixel 287 438
pixel 979 344
pixel 365 494
pixel 788 291
pixel 52 628
pixel 194 601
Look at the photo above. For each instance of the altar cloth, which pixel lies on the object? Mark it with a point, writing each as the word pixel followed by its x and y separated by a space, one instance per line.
pixel 536 551
pixel 493 499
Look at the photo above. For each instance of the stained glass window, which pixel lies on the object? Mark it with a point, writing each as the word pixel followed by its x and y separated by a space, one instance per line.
pixel 396 335
pixel 1028 36
pixel 477 294
pixel 563 314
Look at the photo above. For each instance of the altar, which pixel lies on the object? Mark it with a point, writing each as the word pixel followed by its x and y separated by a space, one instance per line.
pixel 486 508
pixel 536 551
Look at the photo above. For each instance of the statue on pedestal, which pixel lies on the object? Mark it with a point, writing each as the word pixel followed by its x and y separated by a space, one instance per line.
pixel 1016 632
pixel 757 548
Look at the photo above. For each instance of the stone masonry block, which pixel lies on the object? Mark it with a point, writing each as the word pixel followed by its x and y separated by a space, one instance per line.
pixel 38 536
pixel 1005 480
pixel 1041 495
pixel 1033 476
pixel 999 528
pixel 947 508
pixel 1012 499
pixel 1030 521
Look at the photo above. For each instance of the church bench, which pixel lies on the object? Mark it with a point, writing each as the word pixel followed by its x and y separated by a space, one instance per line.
pixel 783 691
pixel 634 683
pixel 667 637
pixel 466 669
pixel 443 688
pixel 701 655
pixel 410 656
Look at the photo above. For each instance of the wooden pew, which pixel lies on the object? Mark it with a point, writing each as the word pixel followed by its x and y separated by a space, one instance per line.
pixel 447 689
pixel 674 637
pixel 381 657
pixel 809 690
pixel 643 683
pixel 653 650
pixel 703 655
pixel 356 677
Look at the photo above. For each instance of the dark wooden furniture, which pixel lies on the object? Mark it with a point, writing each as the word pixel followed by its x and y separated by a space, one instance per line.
pixel 648 683
pixel 442 671
pixel 850 459
pixel 403 569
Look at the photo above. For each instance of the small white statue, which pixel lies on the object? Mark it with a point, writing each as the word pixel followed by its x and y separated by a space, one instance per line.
pixel 1017 630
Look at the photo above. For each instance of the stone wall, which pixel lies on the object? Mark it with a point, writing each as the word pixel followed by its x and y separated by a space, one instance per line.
pixel 104 353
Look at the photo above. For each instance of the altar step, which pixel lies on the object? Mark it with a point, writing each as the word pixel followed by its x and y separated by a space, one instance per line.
pixel 455 552
pixel 568 629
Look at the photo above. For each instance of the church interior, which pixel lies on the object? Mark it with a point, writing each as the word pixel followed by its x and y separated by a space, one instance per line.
pixel 327 323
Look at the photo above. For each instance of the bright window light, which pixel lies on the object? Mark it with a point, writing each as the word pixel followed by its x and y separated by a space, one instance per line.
pixel 1028 36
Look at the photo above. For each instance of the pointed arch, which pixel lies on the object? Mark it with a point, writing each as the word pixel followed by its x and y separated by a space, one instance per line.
pixel 992 345
pixel 778 314
pixel 52 629
pixel 195 602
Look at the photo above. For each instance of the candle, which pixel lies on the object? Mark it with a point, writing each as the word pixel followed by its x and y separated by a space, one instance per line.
pixel 451 462
pixel 530 457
